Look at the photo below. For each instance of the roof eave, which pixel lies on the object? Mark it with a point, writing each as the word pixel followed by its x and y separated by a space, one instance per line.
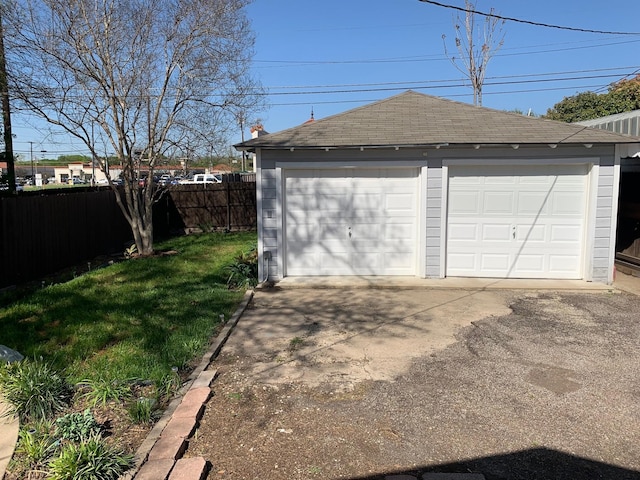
pixel 436 145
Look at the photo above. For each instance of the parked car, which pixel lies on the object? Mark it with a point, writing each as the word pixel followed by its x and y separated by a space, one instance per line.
pixel 164 180
pixel 78 181
pixel 200 178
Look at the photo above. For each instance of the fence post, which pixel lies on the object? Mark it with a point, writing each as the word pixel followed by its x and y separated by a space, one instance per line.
pixel 228 184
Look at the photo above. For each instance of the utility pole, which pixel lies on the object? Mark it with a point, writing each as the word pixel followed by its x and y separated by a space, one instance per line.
pixel 33 177
pixel 6 114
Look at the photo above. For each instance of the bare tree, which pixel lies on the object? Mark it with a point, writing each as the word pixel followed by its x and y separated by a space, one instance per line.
pixel 135 78
pixel 475 46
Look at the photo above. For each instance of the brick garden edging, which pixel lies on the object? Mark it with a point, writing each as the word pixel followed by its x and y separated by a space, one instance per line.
pixel 159 457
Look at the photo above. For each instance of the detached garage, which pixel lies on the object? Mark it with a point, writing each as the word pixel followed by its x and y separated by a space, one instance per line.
pixel 420 186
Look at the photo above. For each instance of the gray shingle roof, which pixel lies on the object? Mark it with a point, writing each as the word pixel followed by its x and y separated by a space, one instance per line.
pixel 415 119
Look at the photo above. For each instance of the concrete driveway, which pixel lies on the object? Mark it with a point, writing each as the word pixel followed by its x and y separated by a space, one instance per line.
pixel 371 383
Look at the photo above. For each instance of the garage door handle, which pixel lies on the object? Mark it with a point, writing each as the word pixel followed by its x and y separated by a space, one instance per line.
pixel 349 232
pixel 513 232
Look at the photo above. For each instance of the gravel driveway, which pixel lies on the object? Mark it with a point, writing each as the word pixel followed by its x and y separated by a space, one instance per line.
pixel 363 384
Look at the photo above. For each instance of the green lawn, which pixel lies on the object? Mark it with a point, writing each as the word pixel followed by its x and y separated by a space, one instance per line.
pixel 136 319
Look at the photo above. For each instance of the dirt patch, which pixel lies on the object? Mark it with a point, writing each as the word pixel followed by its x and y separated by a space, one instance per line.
pixel 512 385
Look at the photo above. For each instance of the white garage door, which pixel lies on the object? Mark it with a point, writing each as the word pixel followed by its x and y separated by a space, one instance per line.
pixel 351 222
pixel 516 222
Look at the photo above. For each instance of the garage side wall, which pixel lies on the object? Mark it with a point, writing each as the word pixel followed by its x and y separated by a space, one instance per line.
pixel 267 219
pixel 606 212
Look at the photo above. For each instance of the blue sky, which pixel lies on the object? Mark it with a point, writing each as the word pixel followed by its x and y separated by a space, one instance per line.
pixel 333 56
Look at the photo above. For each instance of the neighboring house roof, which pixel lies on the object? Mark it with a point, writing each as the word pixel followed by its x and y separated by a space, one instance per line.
pixel 415 119
pixel 627 123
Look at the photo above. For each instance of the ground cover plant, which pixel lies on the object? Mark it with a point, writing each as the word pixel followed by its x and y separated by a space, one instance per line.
pixel 123 338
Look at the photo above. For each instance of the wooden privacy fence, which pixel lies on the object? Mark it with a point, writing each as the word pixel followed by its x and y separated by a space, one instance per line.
pixel 213 206
pixel 43 232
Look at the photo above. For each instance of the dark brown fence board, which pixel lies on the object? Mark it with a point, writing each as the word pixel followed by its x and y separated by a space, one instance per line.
pixel 216 206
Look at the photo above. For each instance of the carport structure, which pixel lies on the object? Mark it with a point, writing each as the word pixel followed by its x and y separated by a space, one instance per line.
pixel 416 185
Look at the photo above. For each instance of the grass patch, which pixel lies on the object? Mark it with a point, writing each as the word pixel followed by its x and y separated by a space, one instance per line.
pixel 141 319
pixel 125 337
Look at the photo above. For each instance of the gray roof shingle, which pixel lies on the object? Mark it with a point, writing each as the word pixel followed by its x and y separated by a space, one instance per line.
pixel 416 119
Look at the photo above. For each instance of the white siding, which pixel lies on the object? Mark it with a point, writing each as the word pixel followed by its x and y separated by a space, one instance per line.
pixel 434 218
pixel 604 238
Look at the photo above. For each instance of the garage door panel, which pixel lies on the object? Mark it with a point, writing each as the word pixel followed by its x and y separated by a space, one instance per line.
pixel 332 233
pixel 533 203
pixel 497 203
pixel 305 232
pixel 496 232
pixel 534 180
pixel 366 200
pixel 565 233
pixel 564 263
pixel 568 203
pixel 531 233
pixel 367 261
pixel 530 263
pixel 398 203
pixel 464 203
pixel 530 221
pixel 498 180
pixel 462 261
pixel 463 232
pixel 494 262
pixel 399 231
pixel 305 263
pixel 365 232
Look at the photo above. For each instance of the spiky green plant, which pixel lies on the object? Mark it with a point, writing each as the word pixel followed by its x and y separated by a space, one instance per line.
pixel 33 390
pixel 91 459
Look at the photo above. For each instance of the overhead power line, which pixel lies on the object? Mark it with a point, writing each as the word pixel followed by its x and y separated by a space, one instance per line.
pixel 391 86
pixel 454 95
pixel 528 22
pixel 615 72
pixel 429 58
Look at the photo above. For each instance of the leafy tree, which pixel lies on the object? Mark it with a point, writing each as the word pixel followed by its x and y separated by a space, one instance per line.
pixel 135 80
pixel 623 96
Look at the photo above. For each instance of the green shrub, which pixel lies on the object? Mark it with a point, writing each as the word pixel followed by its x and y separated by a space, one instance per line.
pixel 36 445
pixel 102 390
pixel 91 459
pixel 77 426
pixel 33 389
pixel 243 272
pixel 141 410
pixel 167 386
